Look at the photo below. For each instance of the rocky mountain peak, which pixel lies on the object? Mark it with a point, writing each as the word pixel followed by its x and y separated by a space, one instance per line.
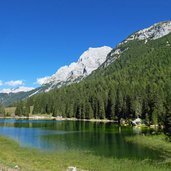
pixel 153 32
pixel 89 61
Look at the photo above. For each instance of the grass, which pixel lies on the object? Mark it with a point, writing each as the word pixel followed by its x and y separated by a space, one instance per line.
pixel 11 154
pixel 156 142
pixel 152 141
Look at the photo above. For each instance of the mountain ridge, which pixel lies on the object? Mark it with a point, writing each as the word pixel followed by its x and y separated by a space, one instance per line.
pixel 153 32
pixel 138 84
pixel 89 61
pixel 16 90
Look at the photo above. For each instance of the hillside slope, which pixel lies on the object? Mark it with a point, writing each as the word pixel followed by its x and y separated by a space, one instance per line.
pixel 138 83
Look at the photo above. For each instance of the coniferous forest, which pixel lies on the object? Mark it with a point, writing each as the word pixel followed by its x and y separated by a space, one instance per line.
pixel 137 84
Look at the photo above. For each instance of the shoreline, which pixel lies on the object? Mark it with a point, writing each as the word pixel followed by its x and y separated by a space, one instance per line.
pixel 37 117
pixel 66 159
pixel 59 118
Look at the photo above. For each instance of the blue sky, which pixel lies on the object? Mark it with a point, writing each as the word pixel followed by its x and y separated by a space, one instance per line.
pixel 39 36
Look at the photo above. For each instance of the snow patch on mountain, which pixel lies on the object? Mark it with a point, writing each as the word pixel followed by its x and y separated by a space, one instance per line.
pixel 16 90
pixel 89 61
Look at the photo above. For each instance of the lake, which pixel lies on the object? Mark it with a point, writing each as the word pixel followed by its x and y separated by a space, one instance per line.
pixel 104 139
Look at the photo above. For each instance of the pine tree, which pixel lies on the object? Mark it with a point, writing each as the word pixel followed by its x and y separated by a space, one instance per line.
pixel 19 109
pixel 26 109
pixel 118 105
pixel 78 110
pixel 137 108
pixel 155 117
pixel 101 108
pixel 2 109
pixel 111 105
pixel 167 123
pixel 88 111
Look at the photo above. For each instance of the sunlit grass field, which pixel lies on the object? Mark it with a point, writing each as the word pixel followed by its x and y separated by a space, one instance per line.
pixel 12 155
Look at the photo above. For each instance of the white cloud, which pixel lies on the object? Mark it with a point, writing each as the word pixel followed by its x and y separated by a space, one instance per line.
pixel 1 83
pixel 14 83
pixel 43 80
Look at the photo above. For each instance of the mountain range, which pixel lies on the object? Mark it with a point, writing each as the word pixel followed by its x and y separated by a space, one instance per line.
pixel 134 81
pixel 91 60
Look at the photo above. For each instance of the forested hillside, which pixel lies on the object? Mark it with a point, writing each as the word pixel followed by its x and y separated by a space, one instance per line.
pixel 138 83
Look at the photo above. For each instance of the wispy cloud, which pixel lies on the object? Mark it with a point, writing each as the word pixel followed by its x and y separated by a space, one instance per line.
pixel 43 80
pixel 1 83
pixel 14 83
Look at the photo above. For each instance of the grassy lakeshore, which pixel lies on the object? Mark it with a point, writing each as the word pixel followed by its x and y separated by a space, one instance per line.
pixel 11 154
pixel 156 142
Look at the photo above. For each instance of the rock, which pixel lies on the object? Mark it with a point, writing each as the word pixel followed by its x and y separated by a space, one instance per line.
pixel 17 167
pixel 72 168
pixel 136 122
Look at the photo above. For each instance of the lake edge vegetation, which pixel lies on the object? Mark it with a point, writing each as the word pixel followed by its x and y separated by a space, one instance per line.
pixel 26 159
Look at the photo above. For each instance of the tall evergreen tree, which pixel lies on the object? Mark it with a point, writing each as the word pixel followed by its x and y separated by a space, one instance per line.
pixel 19 109
pixel 101 108
pixel 167 123
pixel 2 109
pixel 111 105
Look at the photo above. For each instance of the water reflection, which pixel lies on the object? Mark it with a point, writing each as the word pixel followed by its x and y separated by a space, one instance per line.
pixel 104 139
